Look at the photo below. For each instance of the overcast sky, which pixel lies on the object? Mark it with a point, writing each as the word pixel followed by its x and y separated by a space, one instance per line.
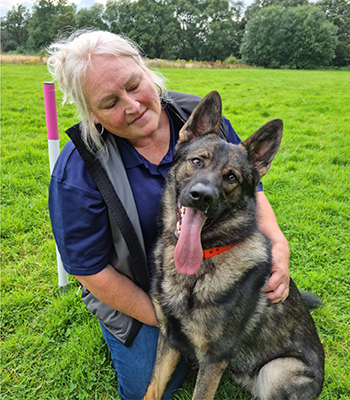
pixel 6 5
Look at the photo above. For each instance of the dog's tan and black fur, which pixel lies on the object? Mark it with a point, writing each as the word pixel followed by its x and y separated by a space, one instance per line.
pixel 214 310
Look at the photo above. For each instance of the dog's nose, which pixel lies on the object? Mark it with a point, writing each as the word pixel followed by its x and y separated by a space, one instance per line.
pixel 203 196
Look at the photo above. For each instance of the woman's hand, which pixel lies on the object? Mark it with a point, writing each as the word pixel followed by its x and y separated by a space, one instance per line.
pixel 277 288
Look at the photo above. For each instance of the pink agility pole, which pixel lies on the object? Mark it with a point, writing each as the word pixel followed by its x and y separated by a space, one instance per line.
pixel 54 152
pixel 51 123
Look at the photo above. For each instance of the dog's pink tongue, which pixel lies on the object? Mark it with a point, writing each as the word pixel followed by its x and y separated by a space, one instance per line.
pixel 188 254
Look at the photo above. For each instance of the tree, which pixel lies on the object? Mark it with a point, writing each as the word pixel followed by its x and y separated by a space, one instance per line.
pixel 257 5
pixel 48 21
pixel 119 16
pixel 299 37
pixel 93 17
pixel 14 28
pixel 40 24
pixel 189 15
pixel 63 19
pixel 311 37
pixel 223 30
pixel 187 29
pixel 338 12
pixel 155 28
pixel 263 39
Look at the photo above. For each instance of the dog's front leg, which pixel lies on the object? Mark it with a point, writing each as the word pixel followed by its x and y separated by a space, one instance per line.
pixel 165 364
pixel 208 380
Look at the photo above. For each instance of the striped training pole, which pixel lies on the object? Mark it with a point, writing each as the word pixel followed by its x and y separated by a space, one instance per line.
pixel 54 152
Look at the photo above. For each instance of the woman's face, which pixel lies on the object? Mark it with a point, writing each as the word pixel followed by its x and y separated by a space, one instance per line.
pixel 122 97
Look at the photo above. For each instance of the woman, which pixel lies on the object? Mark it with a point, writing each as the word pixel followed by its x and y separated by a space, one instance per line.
pixel 130 125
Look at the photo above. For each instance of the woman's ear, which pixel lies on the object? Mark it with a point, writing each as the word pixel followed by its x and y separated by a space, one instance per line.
pixel 94 119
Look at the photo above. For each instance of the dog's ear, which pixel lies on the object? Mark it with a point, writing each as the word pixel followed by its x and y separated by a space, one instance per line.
pixel 204 119
pixel 263 145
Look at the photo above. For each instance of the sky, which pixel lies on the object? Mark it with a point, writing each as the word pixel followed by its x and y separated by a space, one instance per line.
pixel 10 3
pixel 6 5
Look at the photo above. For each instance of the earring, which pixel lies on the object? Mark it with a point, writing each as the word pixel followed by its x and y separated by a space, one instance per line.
pixel 160 91
pixel 103 129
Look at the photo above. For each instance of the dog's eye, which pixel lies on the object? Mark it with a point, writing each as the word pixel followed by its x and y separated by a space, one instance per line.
pixel 196 162
pixel 231 178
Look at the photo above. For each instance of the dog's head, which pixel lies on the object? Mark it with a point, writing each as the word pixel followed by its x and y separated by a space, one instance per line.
pixel 205 120
pixel 216 179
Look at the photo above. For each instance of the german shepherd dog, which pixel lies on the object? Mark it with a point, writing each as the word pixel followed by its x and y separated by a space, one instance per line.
pixel 212 265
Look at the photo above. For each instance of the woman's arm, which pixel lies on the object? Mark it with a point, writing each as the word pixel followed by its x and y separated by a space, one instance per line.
pixel 277 288
pixel 120 293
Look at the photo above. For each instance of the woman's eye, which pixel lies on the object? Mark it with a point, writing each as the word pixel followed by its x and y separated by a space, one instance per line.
pixel 111 105
pixel 135 87
pixel 196 162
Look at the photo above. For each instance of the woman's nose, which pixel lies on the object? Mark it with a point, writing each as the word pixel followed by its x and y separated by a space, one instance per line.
pixel 132 105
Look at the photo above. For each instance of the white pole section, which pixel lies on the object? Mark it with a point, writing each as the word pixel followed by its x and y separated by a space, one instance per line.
pixel 54 152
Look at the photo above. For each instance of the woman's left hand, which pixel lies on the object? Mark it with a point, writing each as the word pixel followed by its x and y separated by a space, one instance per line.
pixel 277 288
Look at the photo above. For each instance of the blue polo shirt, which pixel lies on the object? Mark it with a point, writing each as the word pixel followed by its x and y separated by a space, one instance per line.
pixel 79 215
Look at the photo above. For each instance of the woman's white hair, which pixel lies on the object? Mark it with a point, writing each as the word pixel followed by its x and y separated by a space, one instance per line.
pixel 69 60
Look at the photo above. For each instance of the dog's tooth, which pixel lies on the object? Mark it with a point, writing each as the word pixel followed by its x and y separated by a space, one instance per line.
pixel 178 227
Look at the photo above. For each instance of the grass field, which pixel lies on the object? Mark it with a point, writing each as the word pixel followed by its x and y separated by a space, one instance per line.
pixel 51 347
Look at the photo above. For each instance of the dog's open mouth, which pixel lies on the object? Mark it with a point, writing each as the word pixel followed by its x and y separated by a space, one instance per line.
pixel 180 216
pixel 180 212
pixel 188 254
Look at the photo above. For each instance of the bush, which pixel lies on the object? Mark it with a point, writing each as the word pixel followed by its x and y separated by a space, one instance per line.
pixel 11 45
pixel 232 60
pixel 297 37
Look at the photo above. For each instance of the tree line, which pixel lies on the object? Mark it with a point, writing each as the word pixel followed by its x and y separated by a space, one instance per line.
pixel 268 33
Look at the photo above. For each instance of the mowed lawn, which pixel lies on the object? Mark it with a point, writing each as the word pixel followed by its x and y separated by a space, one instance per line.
pixel 52 347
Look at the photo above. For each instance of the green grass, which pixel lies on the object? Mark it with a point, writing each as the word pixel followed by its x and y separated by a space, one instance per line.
pixel 51 347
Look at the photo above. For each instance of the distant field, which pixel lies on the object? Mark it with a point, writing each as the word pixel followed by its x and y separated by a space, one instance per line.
pixel 22 59
pixel 51 347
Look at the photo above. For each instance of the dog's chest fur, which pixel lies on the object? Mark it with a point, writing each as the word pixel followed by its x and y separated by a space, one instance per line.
pixel 192 305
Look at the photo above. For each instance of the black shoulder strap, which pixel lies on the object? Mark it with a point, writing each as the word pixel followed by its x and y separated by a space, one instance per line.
pixel 116 208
